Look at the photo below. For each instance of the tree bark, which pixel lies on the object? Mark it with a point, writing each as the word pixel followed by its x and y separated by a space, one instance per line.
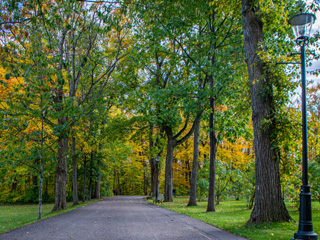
pixel 74 173
pixel 60 201
pixel 168 188
pixel 153 187
pixel 90 177
pixel 98 183
pixel 90 189
pixel 40 190
pixel 213 152
pixel 14 184
pixel 41 162
pixel 145 192
pixel 153 164
pixel 269 205
pixel 194 177
pixel 84 178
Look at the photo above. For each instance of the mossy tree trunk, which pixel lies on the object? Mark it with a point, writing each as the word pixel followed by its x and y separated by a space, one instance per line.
pixel 269 205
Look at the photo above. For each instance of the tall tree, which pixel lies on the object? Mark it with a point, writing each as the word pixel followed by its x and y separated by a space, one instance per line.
pixel 269 205
pixel 195 163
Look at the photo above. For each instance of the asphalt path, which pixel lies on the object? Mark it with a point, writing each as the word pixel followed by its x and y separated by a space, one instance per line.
pixel 119 218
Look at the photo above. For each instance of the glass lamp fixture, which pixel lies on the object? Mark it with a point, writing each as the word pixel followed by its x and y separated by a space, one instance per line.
pixel 302 24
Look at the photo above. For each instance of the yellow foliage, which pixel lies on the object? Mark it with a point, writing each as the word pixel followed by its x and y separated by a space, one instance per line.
pixel 7 86
pixel 237 154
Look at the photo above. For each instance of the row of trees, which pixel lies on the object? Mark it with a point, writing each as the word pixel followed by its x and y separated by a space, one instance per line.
pixel 106 88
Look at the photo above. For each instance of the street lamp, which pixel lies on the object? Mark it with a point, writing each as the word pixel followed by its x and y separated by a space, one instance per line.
pixel 301 25
pixel 157 167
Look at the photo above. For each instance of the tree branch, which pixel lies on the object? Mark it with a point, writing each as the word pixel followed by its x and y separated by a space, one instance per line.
pixel 183 129
pixel 17 22
pixel 185 138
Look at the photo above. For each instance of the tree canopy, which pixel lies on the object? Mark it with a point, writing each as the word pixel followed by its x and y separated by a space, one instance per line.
pixel 92 94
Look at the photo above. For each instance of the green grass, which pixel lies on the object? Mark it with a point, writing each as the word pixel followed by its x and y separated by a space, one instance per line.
pixel 18 215
pixel 232 216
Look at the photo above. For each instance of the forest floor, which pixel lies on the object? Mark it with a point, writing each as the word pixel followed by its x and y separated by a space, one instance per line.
pixel 121 217
pixel 232 216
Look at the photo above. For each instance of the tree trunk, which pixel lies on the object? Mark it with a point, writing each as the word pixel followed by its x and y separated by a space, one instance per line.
pixel 172 142
pixel 213 152
pixel 41 163
pixel 251 202
pixel 98 183
pixel 60 201
pixel 90 177
pixel 97 188
pixel 90 189
pixel 84 178
pixel 145 192
pixel 114 179
pixel 74 173
pixel 188 172
pixel 269 205
pixel 194 178
pixel 40 191
pixel 218 196
pixel 153 167
pixel 153 163
pixel 168 172
pixel 118 179
pixel 14 184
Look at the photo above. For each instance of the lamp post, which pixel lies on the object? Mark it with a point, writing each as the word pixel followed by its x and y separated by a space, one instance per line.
pixel 157 184
pixel 301 25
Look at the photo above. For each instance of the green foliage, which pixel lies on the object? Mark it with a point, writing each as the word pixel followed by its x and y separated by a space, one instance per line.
pixel 249 185
pixel 126 72
pixel 222 180
pixel 237 183
pixel 203 186
pixel 314 169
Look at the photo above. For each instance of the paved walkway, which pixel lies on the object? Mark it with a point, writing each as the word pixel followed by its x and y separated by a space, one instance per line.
pixel 120 218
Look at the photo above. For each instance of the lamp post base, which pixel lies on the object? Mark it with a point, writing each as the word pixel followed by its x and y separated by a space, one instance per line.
pixel 305 231
pixel 300 235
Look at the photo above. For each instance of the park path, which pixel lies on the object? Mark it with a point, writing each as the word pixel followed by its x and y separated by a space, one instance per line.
pixel 118 218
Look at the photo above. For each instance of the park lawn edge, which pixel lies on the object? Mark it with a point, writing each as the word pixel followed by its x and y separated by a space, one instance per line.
pixel 263 231
pixel 53 214
pixel 160 205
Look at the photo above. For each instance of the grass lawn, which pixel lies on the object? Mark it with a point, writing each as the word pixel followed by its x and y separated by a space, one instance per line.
pixel 14 216
pixel 232 215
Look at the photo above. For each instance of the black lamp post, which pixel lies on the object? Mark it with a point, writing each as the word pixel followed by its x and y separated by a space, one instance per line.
pixel 301 25
pixel 157 185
